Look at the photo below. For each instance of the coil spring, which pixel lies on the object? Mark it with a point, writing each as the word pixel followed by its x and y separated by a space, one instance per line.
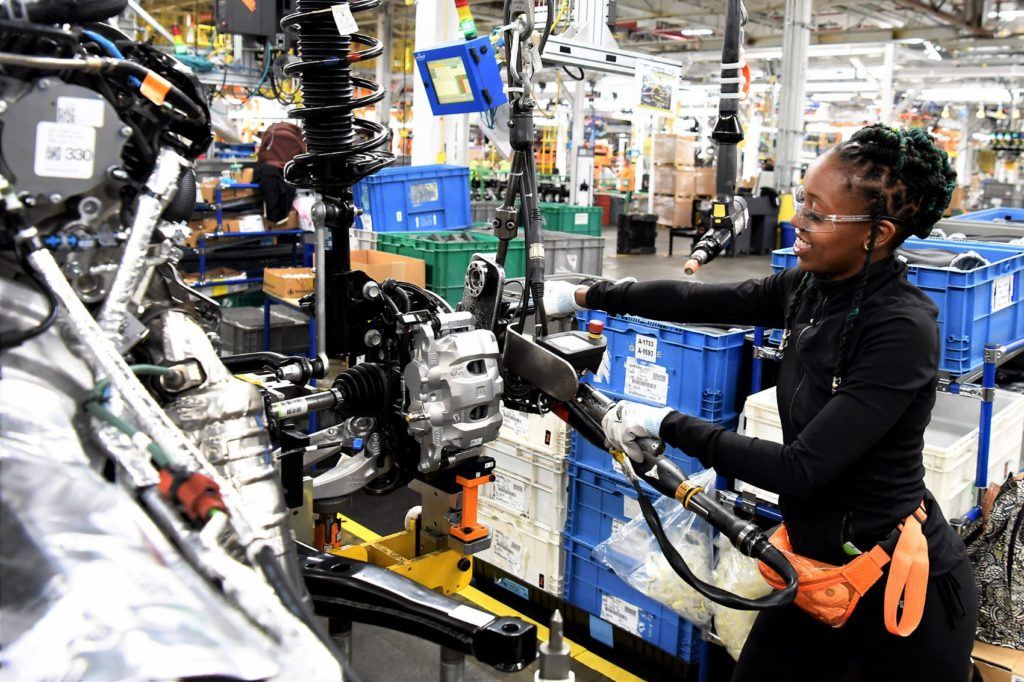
pixel 341 149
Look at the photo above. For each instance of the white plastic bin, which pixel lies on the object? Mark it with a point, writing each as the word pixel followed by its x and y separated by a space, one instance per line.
pixel 529 484
pixel 523 549
pixel 546 434
pixel 950 448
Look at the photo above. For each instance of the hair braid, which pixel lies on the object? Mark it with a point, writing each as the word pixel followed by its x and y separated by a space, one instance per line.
pixel 851 317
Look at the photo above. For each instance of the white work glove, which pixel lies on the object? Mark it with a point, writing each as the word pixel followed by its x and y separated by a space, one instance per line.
pixel 627 422
pixel 560 298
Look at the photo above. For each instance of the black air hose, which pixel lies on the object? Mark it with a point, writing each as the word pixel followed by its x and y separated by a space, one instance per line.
pixel 184 199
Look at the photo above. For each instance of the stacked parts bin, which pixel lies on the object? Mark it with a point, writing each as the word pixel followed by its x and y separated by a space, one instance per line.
pixel 414 199
pixel 575 219
pixel 447 255
pixel 980 306
pixel 950 443
pixel 241 331
pixel 692 369
pixel 525 506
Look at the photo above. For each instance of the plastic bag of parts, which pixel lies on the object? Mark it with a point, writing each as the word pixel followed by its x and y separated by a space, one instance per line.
pixel 737 574
pixel 634 555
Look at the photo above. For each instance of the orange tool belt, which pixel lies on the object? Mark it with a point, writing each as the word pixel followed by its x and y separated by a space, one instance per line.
pixel 830 593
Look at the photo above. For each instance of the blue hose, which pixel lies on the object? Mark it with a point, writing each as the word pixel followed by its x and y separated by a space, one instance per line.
pixel 111 49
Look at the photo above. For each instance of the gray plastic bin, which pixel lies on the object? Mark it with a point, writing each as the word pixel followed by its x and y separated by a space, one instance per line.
pixel 241 331
pixel 573 253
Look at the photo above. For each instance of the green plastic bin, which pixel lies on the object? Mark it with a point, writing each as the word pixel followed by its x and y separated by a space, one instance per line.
pixel 447 255
pixel 573 219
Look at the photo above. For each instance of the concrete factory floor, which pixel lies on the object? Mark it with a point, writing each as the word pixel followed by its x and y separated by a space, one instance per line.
pixel 383 655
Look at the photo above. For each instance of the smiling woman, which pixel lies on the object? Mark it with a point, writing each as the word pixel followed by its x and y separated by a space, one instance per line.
pixel 856 388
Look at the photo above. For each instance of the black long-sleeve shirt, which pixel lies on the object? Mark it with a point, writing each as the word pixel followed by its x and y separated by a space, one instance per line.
pixel 851 467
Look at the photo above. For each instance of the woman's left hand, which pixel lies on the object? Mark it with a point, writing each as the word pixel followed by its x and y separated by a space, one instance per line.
pixel 628 422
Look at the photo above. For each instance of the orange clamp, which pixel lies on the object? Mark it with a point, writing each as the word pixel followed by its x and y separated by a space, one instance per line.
pixel 469 530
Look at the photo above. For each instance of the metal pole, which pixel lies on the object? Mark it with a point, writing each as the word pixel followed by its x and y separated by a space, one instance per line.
pixel 453 665
pixel 756 368
pixel 576 141
pixel 889 63
pixel 795 37
pixel 988 386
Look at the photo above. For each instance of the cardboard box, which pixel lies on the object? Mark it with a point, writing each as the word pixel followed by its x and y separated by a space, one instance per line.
pixel 381 266
pixel 289 223
pixel 678 182
pixel 998 664
pixel 674 211
pixel 208 188
pixel 675 150
pixel 223 278
pixel 288 282
pixel 205 226
pixel 704 182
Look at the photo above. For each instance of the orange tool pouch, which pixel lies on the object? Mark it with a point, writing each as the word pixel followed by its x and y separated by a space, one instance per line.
pixel 830 593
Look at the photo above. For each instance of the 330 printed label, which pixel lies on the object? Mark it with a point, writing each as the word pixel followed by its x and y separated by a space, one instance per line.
pixel 65 150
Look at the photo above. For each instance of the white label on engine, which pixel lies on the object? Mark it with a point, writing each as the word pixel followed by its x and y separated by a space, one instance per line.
pixel 80 111
pixel 509 492
pixel 343 19
pixel 516 422
pixel 582 219
pixel 630 507
pixel 646 348
pixel 648 382
pixel 618 612
pixel 509 551
pixel 64 150
pixel 1002 293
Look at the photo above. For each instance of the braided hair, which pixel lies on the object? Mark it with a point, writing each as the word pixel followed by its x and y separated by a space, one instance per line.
pixel 904 175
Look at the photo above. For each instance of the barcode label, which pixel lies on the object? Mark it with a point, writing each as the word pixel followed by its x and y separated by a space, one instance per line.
pixel 1002 293
pixel 80 111
pixel 343 19
pixel 582 219
pixel 647 382
pixel 509 551
pixel 509 492
pixel 64 150
pixel 618 612
pixel 518 423
pixel 630 507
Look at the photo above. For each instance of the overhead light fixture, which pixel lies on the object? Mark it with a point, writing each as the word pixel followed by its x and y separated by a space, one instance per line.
pixel 968 93
pixel 696 32
pixel 1007 14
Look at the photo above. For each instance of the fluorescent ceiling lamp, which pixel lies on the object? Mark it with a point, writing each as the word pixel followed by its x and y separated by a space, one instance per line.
pixel 968 93
pixel 832 96
pixel 1007 14
pixel 696 32
pixel 842 86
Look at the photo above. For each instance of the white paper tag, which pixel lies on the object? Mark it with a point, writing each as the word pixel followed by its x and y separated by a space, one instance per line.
pixel 621 613
pixel 80 111
pixel 64 150
pixel 648 382
pixel 344 20
pixel 250 223
pixel 630 507
pixel 509 492
pixel 617 525
pixel 509 551
pixel 515 422
pixel 367 222
pixel 646 348
pixel 1002 293
pixel 572 259
pixel 582 219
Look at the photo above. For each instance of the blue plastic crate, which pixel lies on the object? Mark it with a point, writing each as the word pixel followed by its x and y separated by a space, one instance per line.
pixel 995 215
pixel 690 368
pixel 597 590
pixel 414 199
pixel 787 235
pixel 599 502
pixel 976 307
pixel 586 453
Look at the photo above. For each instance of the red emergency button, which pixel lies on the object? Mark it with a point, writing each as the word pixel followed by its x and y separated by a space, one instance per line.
pixel 595 327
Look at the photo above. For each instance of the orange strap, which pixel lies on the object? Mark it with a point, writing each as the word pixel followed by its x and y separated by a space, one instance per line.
pixel 155 88
pixel 908 577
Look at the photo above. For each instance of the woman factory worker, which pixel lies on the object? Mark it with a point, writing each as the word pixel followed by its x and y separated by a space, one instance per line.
pixel 855 392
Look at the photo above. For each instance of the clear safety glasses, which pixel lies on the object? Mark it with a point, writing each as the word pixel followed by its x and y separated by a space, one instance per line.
pixel 812 221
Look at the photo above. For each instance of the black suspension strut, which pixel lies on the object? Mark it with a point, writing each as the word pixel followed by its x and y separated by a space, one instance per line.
pixel 341 149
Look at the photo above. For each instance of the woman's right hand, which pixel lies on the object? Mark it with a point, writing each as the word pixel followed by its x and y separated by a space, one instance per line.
pixel 561 299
